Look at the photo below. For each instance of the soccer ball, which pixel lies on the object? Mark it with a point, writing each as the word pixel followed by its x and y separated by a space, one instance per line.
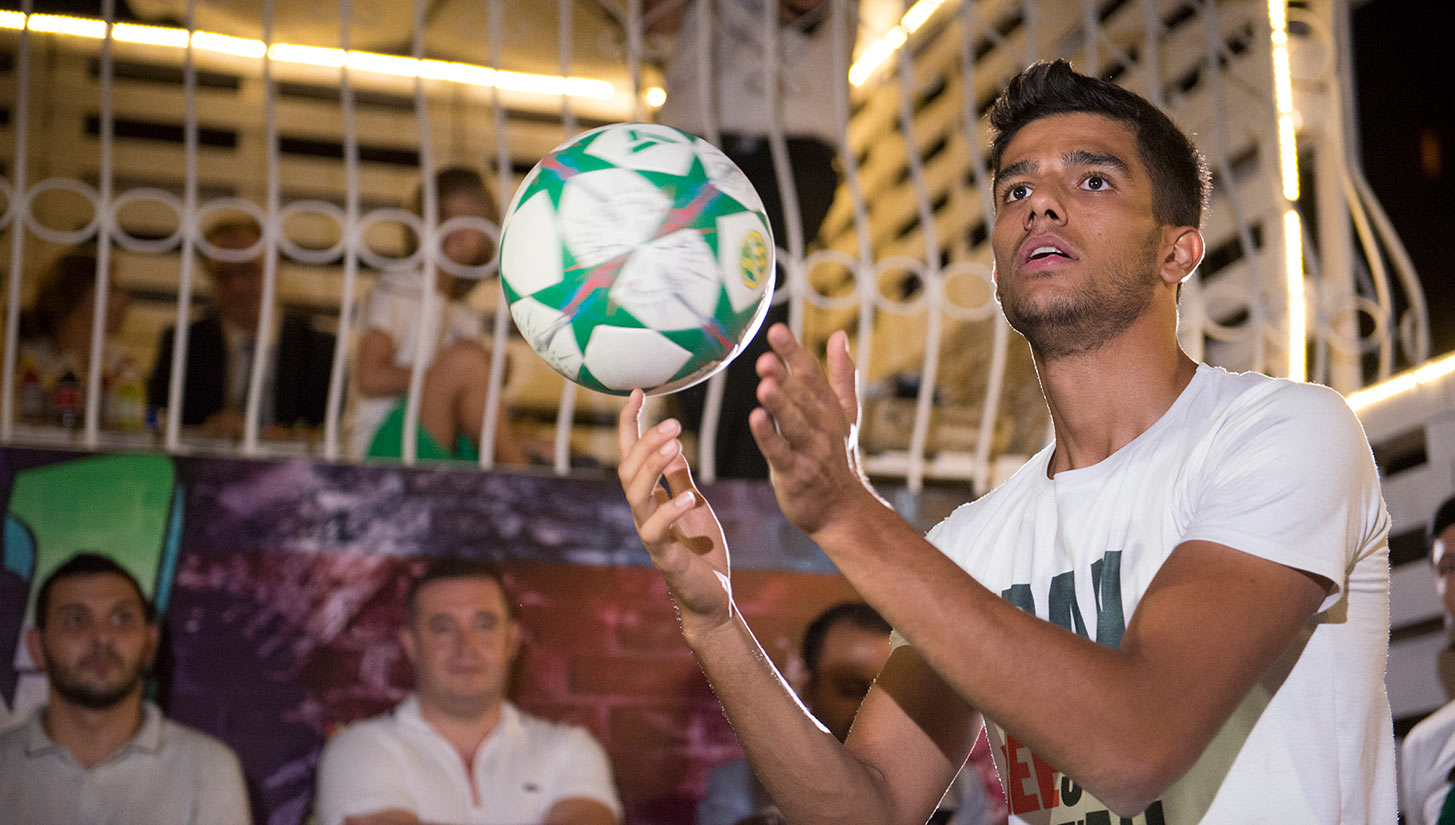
pixel 636 255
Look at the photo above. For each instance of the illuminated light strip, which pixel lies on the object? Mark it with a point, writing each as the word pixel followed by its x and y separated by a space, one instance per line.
pixel 385 64
pixel 1288 171
pixel 880 50
pixel 1288 157
pixel 1402 383
pixel 1297 322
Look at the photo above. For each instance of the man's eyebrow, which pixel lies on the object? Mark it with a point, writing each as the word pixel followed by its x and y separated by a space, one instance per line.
pixel 1020 167
pixel 1081 157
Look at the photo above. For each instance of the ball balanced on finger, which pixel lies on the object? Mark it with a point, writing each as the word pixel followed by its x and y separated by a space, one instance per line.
pixel 636 255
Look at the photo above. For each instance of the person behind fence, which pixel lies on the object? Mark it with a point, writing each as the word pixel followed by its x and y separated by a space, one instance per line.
pixel 97 752
pixel 1427 755
pixel 807 86
pixel 452 408
pixel 54 353
pixel 1178 611
pixel 843 650
pixel 221 345
pixel 457 749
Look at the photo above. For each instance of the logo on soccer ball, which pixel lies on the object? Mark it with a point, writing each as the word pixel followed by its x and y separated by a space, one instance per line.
pixel 753 259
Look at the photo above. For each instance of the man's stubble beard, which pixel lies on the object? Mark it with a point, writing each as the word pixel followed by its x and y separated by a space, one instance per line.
pixel 1095 313
pixel 76 691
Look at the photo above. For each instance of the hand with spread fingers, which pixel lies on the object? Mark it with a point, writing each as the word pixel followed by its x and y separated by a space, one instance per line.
pixel 673 518
pixel 808 430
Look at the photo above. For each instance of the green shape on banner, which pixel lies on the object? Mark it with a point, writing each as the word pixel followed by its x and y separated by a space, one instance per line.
pixel 117 505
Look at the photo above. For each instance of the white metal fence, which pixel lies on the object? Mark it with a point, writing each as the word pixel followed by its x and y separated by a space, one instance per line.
pixel 137 137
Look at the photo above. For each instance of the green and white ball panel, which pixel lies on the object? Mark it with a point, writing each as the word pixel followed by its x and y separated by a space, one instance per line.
pixel 669 283
pixel 645 147
pixel 607 212
pixel 531 250
pixel 653 356
pixel 548 331
pixel 725 175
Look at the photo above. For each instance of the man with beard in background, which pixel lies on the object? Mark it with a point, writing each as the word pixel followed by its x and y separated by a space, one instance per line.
pixel 96 751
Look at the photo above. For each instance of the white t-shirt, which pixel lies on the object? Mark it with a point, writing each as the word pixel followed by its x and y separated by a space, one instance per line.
pixel 524 767
pixel 1427 756
pixel 1279 470
pixel 393 307
pixel 807 81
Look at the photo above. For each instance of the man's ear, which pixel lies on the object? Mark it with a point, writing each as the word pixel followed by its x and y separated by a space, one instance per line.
pixel 1183 250
pixel 37 650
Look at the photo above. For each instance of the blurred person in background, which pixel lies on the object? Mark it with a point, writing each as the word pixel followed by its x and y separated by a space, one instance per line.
pixel 54 355
pixel 456 383
pixel 221 345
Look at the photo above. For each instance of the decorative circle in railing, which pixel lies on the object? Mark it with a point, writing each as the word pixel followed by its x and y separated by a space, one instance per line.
pixel 65 237
pixel 832 257
pixel 140 195
pixel 322 209
pixel 227 254
pixel 968 269
pixel 459 270
pixel 1229 297
pixel 8 191
pixel 900 263
pixel 373 217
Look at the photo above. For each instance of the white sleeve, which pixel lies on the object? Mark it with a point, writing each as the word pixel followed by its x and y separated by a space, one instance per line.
pixel 583 771
pixel 1412 763
pixel 1290 478
pixel 358 774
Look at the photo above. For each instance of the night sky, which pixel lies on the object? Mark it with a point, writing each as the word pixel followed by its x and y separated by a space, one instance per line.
pixel 1404 66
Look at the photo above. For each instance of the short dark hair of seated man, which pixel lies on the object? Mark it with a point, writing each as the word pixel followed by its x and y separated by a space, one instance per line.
pixel 220 347
pixel 97 745
pixel 457 749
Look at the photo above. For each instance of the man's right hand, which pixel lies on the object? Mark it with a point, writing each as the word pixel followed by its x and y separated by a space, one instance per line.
pixel 678 528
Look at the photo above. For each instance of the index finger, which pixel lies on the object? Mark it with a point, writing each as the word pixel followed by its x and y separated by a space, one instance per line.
pixel 629 425
pixel 798 360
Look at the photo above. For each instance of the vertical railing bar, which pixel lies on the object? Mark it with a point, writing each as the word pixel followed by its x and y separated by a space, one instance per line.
pixel 1225 168
pixel 504 176
pixel 263 333
pixel 95 385
pixel 182 330
pixel 1000 337
pixel 707 90
pixel 1151 52
pixel 424 349
pixel 924 404
pixel 1090 35
pixel 334 411
pixel 863 278
pixel 19 214
pixel 566 409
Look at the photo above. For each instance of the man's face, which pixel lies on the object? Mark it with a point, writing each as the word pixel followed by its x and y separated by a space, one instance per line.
pixel 848 664
pixel 461 641
pixel 97 644
pixel 1077 245
pixel 1443 557
pixel 238 285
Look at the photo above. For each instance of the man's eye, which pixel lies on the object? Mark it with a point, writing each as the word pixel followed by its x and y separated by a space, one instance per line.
pixel 1017 192
pixel 1095 183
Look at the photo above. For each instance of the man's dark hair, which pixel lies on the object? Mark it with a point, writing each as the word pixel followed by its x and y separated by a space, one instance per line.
pixel 456 568
pixel 86 564
pixel 858 614
pixel 1179 172
pixel 1444 517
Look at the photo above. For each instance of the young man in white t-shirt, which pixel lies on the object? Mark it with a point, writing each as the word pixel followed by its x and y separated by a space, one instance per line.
pixel 1176 613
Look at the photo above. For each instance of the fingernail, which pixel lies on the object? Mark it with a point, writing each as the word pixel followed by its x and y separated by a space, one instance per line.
pixel 684 500
pixel 667 427
pixel 667 449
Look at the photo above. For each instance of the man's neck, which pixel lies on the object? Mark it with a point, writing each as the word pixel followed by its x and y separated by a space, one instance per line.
pixel 463 728
pixel 92 736
pixel 1102 399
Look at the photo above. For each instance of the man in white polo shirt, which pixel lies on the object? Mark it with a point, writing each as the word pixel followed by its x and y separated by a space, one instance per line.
pixel 456 751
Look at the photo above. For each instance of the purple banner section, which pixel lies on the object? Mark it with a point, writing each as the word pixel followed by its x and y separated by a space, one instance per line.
pixel 282 583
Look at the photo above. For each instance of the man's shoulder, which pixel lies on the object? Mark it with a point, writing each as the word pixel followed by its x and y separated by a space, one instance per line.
pixel 1435 728
pixel 197 747
pixel 542 732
